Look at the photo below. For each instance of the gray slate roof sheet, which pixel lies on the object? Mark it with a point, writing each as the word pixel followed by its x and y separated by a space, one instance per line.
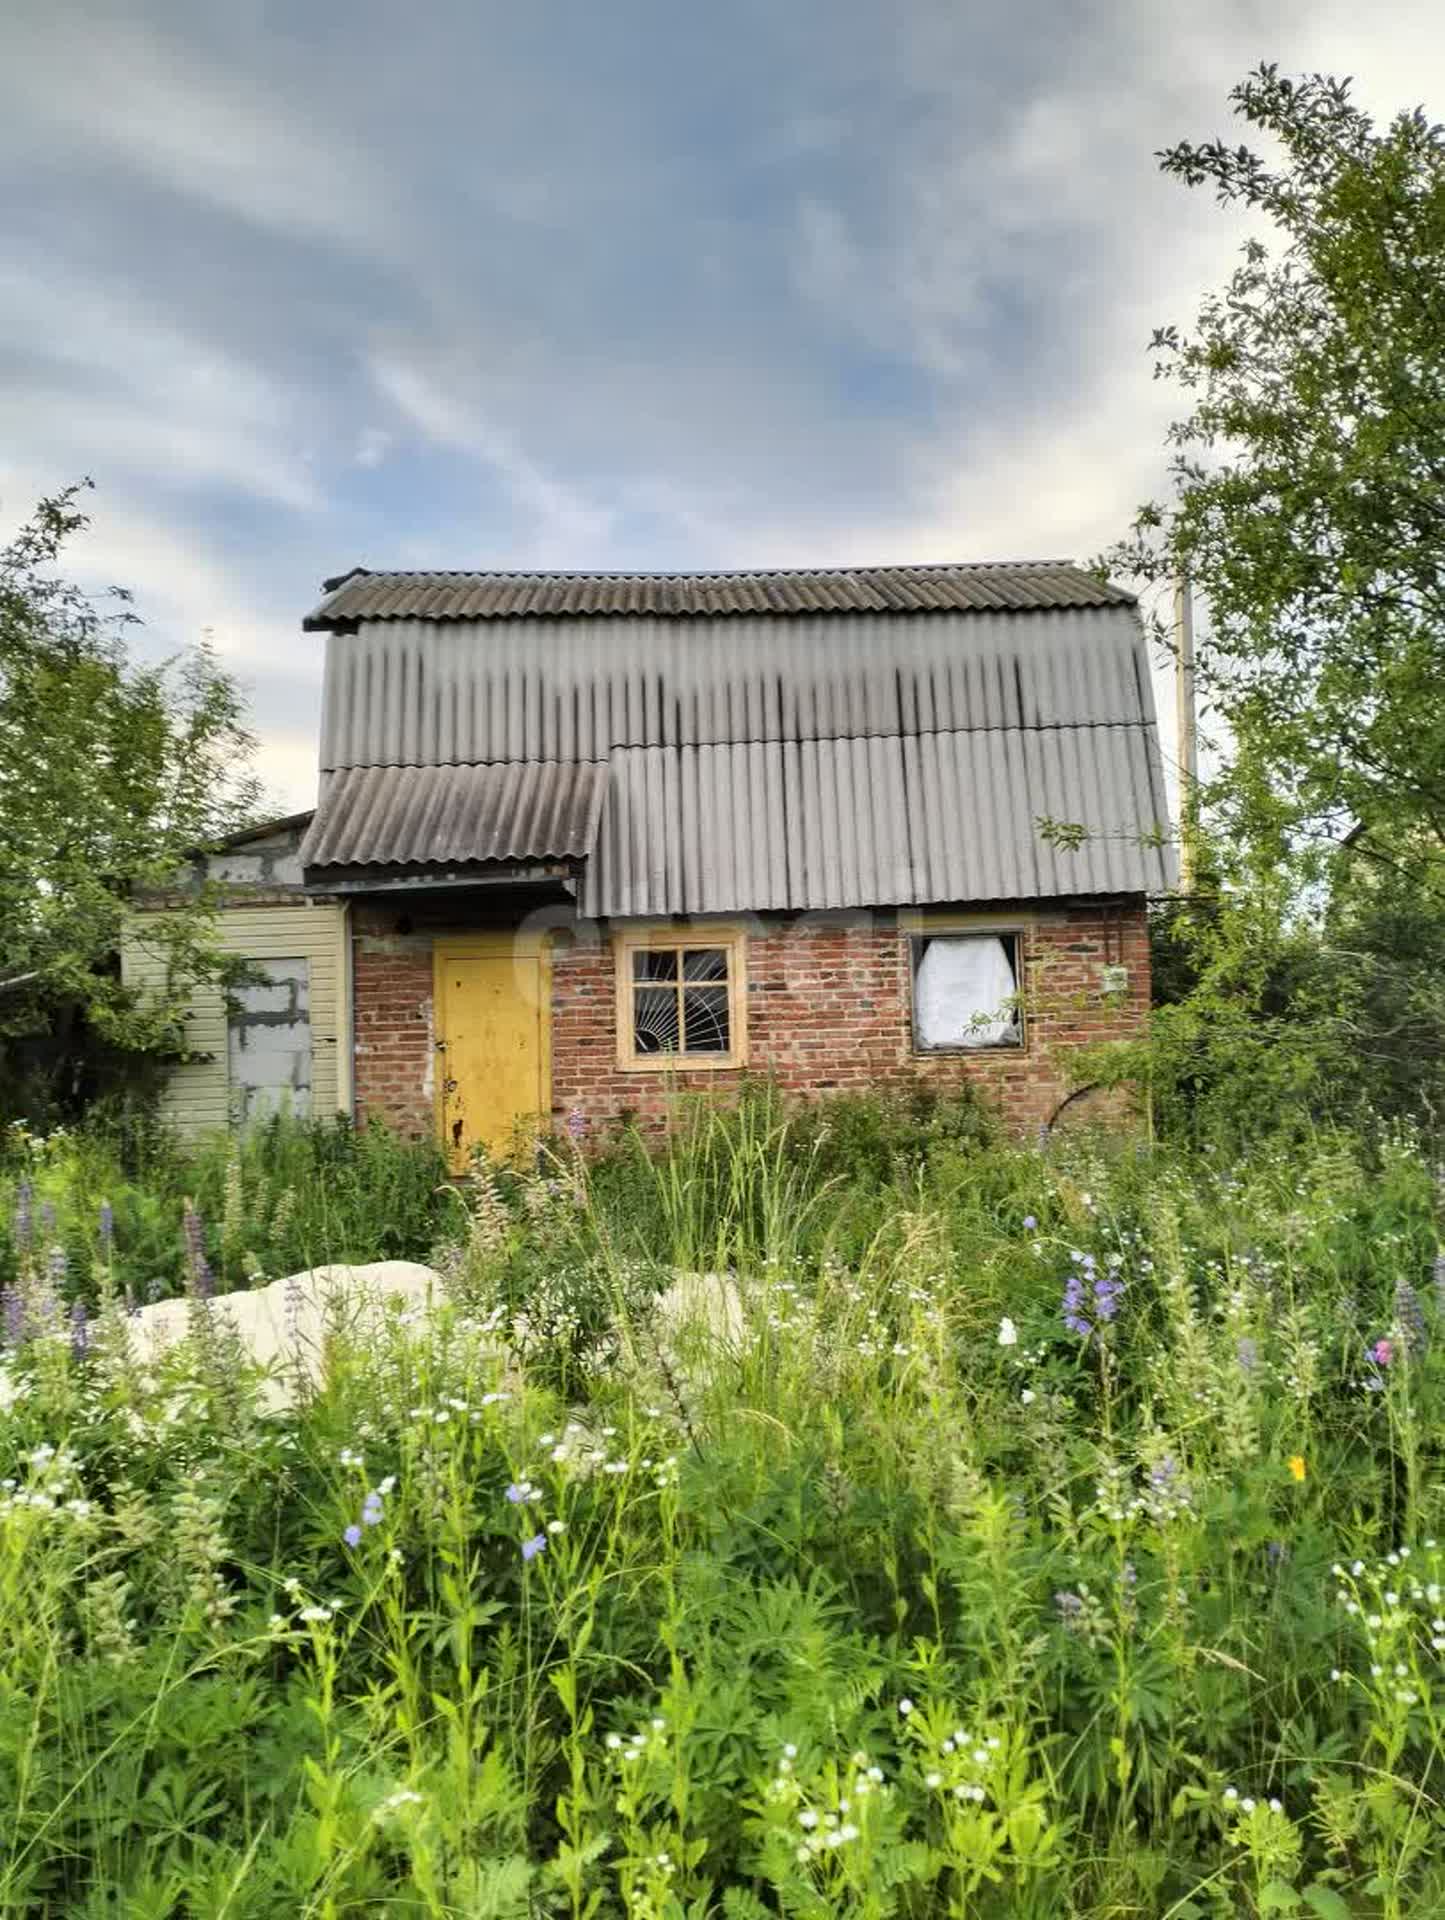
pixel 453 816
pixel 1024 584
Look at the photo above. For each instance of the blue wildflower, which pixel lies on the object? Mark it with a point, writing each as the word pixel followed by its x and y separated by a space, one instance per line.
pixel 531 1548
pixel 1090 1297
pixel 1073 1307
pixel 352 1535
pixel 577 1124
pixel 1108 1288
pixel 79 1331
pixel 520 1492
pixel 1029 1223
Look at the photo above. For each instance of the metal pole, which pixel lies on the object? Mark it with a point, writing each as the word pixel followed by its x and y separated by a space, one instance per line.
pixel 1186 729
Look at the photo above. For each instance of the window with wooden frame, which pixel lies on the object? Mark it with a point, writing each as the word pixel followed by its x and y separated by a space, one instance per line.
pixel 966 991
pixel 681 999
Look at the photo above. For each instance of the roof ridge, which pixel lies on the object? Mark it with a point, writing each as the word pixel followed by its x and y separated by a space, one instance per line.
pixel 695 573
pixel 446 594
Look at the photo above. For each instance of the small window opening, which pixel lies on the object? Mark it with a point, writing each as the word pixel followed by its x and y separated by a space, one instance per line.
pixel 966 992
pixel 268 1040
pixel 681 1000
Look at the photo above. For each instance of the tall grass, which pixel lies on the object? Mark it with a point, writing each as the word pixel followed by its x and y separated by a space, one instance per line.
pixel 286 1195
pixel 1007 1533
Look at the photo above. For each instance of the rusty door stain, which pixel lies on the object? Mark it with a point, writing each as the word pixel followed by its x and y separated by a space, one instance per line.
pixel 491 1052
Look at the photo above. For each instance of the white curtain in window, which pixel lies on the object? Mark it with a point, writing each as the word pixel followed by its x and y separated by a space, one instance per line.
pixel 964 992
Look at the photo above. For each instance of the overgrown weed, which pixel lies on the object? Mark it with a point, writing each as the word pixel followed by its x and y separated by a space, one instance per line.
pixel 1015 1532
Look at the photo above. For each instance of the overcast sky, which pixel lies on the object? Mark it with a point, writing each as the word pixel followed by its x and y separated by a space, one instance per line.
pixel 462 283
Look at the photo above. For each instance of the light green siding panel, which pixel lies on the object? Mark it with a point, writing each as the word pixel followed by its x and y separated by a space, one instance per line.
pixel 197 1098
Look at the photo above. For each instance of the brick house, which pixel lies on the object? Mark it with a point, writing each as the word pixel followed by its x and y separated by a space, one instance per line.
pixel 604 837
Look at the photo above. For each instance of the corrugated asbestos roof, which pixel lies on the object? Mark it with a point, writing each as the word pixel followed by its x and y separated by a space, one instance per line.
pixel 941 817
pixel 415 693
pixel 1023 585
pixel 450 816
pixel 888 754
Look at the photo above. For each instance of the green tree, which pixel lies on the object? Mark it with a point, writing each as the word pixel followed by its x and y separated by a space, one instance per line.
pixel 1307 506
pixel 111 773
pixel 1308 498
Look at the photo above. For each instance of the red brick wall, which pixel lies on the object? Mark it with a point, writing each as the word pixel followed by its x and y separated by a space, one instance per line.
pixel 392 1016
pixel 829 1007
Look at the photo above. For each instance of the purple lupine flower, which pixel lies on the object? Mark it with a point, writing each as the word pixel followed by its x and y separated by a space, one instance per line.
pixel 352 1535
pixel 79 1331
pixel 1276 1552
pixel 1069 1607
pixel 1410 1319
pixel 1073 1307
pixel 1108 1288
pixel 13 1303
pixel 24 1229
pixel 577 1124
pixel 1246 1352
pixel 107 1227
pixel 56 1266
pixel 531 1548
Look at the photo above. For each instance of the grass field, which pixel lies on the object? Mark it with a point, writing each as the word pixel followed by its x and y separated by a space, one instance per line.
pixel 1054 1533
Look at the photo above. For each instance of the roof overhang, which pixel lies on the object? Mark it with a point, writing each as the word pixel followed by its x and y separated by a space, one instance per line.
pixel 556 881
pixel 404 827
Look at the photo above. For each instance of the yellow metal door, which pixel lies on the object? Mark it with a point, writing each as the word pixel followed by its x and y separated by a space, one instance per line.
pixel 492 1081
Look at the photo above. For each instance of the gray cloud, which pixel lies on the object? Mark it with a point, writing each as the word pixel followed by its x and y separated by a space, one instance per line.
pixel 633 286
